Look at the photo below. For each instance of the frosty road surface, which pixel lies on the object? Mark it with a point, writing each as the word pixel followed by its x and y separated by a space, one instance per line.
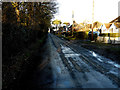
pixel 75 67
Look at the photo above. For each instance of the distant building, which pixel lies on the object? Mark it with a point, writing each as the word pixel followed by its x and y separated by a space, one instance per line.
pixel 116 20
pixel 111 27
pixel 112 30
pixel 105 27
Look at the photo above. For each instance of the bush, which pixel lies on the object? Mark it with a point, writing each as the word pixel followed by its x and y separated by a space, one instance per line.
pixel 16 38
pixel 80 35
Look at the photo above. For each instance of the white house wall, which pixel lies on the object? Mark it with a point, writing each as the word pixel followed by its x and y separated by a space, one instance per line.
pixel 104 29
pixel 106 39
pixel 113 29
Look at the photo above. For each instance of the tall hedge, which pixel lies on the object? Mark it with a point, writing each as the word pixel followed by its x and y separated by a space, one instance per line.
pixel 23 23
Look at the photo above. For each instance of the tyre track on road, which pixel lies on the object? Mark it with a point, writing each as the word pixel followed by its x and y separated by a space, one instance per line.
pixel 85 59
pixel 57 46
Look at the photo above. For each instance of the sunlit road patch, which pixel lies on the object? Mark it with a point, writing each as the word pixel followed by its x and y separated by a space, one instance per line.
pixel 83 72
pixel 68 52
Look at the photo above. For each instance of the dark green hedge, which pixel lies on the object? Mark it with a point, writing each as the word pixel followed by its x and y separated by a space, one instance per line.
pixel 16 38
pixel 80 35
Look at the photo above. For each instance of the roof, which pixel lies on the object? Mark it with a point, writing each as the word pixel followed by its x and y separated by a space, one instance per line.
pixel 97 24
pixel 107 25
pixel 117 25
pixel 116 19
pixel 89 25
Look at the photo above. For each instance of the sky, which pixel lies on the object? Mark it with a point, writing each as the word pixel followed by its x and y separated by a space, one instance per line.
pixel 104 10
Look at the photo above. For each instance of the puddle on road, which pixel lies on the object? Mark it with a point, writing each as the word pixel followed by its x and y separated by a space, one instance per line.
pixel 72 55
pixel 66 49
pixel 116 65
pixel 113 63
pixel 110 62
pixel 93 54
pixel 68 52
pixel 98 58
pixel 113 72
pixel 96 55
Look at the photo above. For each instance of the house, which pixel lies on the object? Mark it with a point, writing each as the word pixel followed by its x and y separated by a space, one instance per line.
pixel 111 31
pixel 96 25
pixel 116 20
pixel 105 27
pixel 115 28
pixel 115 32
pixel 83 28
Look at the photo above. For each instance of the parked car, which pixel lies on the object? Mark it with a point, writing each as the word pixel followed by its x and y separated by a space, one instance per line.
pixel 95 34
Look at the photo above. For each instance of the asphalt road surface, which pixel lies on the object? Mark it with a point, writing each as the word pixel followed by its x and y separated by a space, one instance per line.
pixel 67 65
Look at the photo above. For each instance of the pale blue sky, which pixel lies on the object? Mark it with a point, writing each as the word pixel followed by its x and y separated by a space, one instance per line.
pixel 104 11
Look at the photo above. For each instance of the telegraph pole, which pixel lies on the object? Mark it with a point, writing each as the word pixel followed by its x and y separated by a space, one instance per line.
pixel 92 19
pixel 72 20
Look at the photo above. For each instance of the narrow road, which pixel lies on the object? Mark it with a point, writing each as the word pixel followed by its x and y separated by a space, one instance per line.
pixel 70 66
